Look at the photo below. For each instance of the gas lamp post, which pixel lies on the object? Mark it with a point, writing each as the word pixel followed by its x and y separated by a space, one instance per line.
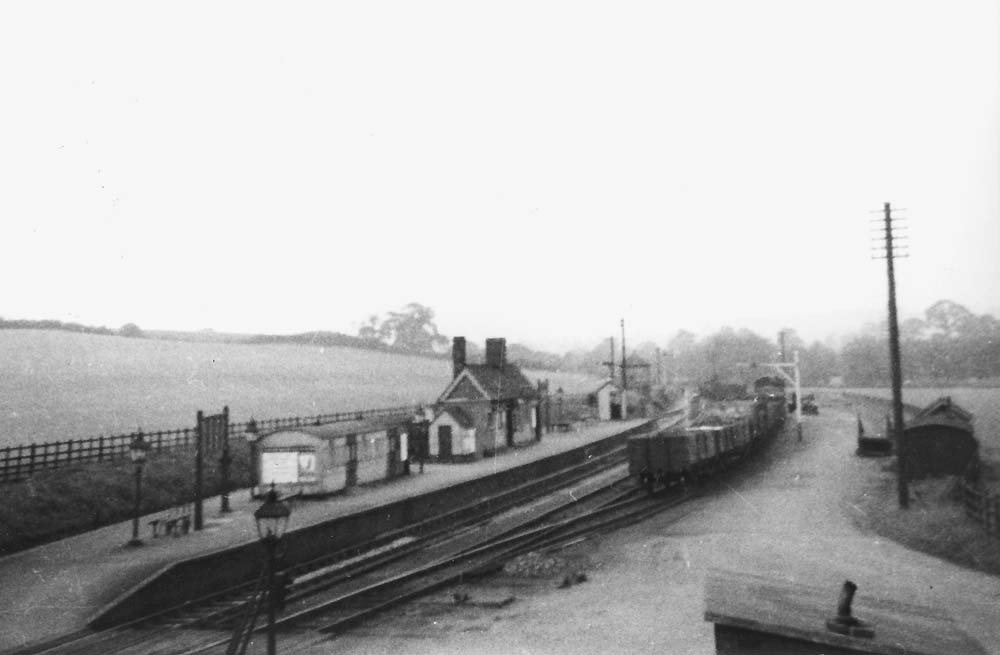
pixel 137 452
pixel 272 520
pixel 252 436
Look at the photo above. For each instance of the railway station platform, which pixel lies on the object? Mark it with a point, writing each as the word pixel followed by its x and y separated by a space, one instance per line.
pixel 57 588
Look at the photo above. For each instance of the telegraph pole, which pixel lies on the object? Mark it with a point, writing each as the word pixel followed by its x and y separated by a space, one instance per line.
pixel 611 362
pixel 894 363
pixel 624 362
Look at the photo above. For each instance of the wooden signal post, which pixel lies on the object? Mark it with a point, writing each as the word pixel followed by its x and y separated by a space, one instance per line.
pixel 624 369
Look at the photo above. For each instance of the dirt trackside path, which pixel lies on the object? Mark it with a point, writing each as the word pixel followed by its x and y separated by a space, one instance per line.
pixel 787 516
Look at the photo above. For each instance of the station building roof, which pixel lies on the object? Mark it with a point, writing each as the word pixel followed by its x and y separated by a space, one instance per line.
pixel 344 428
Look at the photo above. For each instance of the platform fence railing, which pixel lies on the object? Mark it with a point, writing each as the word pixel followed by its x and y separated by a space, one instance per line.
pixel 21 461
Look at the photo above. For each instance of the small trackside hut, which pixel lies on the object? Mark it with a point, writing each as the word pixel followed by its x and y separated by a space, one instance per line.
pixel 485 409
pixel 607 398
pixel 939 440
pixel 323 459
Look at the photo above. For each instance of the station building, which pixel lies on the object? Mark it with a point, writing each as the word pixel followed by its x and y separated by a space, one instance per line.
pixel 486 408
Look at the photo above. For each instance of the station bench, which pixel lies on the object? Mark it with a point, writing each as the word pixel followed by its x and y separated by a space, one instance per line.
pixel 174 524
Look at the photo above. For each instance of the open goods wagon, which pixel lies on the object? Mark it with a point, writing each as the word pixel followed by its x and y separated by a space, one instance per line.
pixel 721 435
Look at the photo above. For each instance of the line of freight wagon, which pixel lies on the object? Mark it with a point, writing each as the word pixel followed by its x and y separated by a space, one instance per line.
pixel 721 434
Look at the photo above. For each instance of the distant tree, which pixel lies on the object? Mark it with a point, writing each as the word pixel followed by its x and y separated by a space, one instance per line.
pixel 686 357
pixel 411 329
pixel 912 329
pixel 530 358
pixel 372 330
pixel 819 363
pixel 865 360
pixel 582 361
pixel 981 347
pixel 131 330
pixel 948 318
pixel 793 342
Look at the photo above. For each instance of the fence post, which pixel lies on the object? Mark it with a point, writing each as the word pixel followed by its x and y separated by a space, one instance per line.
pixel 225 460
pixel 31 461
pixel 199 456
pixel 994 518
pixel 987 507
pixel 982 509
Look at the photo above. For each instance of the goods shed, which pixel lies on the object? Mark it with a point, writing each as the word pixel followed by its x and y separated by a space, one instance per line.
pixel 939 440
pixel 323 459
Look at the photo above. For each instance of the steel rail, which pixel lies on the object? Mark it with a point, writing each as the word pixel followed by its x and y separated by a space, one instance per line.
pixel 127 636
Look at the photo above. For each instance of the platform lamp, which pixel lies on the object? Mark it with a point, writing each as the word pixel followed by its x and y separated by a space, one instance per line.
pixel 137 450
pixel 559 404
pixel 252 434
pixel 272 520
pixel 419 445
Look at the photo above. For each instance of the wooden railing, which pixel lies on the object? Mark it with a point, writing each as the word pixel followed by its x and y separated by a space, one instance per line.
pixel 24 460
pixel 981 506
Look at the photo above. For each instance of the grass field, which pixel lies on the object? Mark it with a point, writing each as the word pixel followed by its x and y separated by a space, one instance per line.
pixel 983 403
pixel 61 385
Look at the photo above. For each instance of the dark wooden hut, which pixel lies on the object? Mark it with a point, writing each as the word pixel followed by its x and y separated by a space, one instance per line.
pixel 939 440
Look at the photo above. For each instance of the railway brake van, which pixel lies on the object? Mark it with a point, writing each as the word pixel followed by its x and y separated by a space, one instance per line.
pixel 318 460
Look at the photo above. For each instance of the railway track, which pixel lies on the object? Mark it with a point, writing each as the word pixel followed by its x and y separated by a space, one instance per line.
pixel 209 621
pixel 343 588
pixel 351 609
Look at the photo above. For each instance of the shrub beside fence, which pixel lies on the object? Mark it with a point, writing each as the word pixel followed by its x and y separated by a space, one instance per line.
pixel 22 461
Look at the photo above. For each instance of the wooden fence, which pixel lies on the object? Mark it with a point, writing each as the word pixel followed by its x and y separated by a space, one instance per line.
pixel 22 461
pixel 981 507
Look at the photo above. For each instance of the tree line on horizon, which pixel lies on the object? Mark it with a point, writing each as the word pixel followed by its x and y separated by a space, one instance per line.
pixel 948 345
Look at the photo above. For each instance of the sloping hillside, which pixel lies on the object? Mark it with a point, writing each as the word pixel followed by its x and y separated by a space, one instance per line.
pixel 58 385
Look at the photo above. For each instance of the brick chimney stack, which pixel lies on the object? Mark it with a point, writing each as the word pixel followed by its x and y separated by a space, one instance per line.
pixel 457 355
pixel 496 353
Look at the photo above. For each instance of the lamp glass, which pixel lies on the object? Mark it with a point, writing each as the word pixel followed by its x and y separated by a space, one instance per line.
pixel 251 432
pixel 272 517
pixel 137 450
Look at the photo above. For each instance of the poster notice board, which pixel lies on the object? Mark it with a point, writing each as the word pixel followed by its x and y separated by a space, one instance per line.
pixel 288 467
pixel 306 466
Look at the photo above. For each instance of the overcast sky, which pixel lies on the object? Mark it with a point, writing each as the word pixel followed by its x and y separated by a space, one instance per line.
pixel 533 170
